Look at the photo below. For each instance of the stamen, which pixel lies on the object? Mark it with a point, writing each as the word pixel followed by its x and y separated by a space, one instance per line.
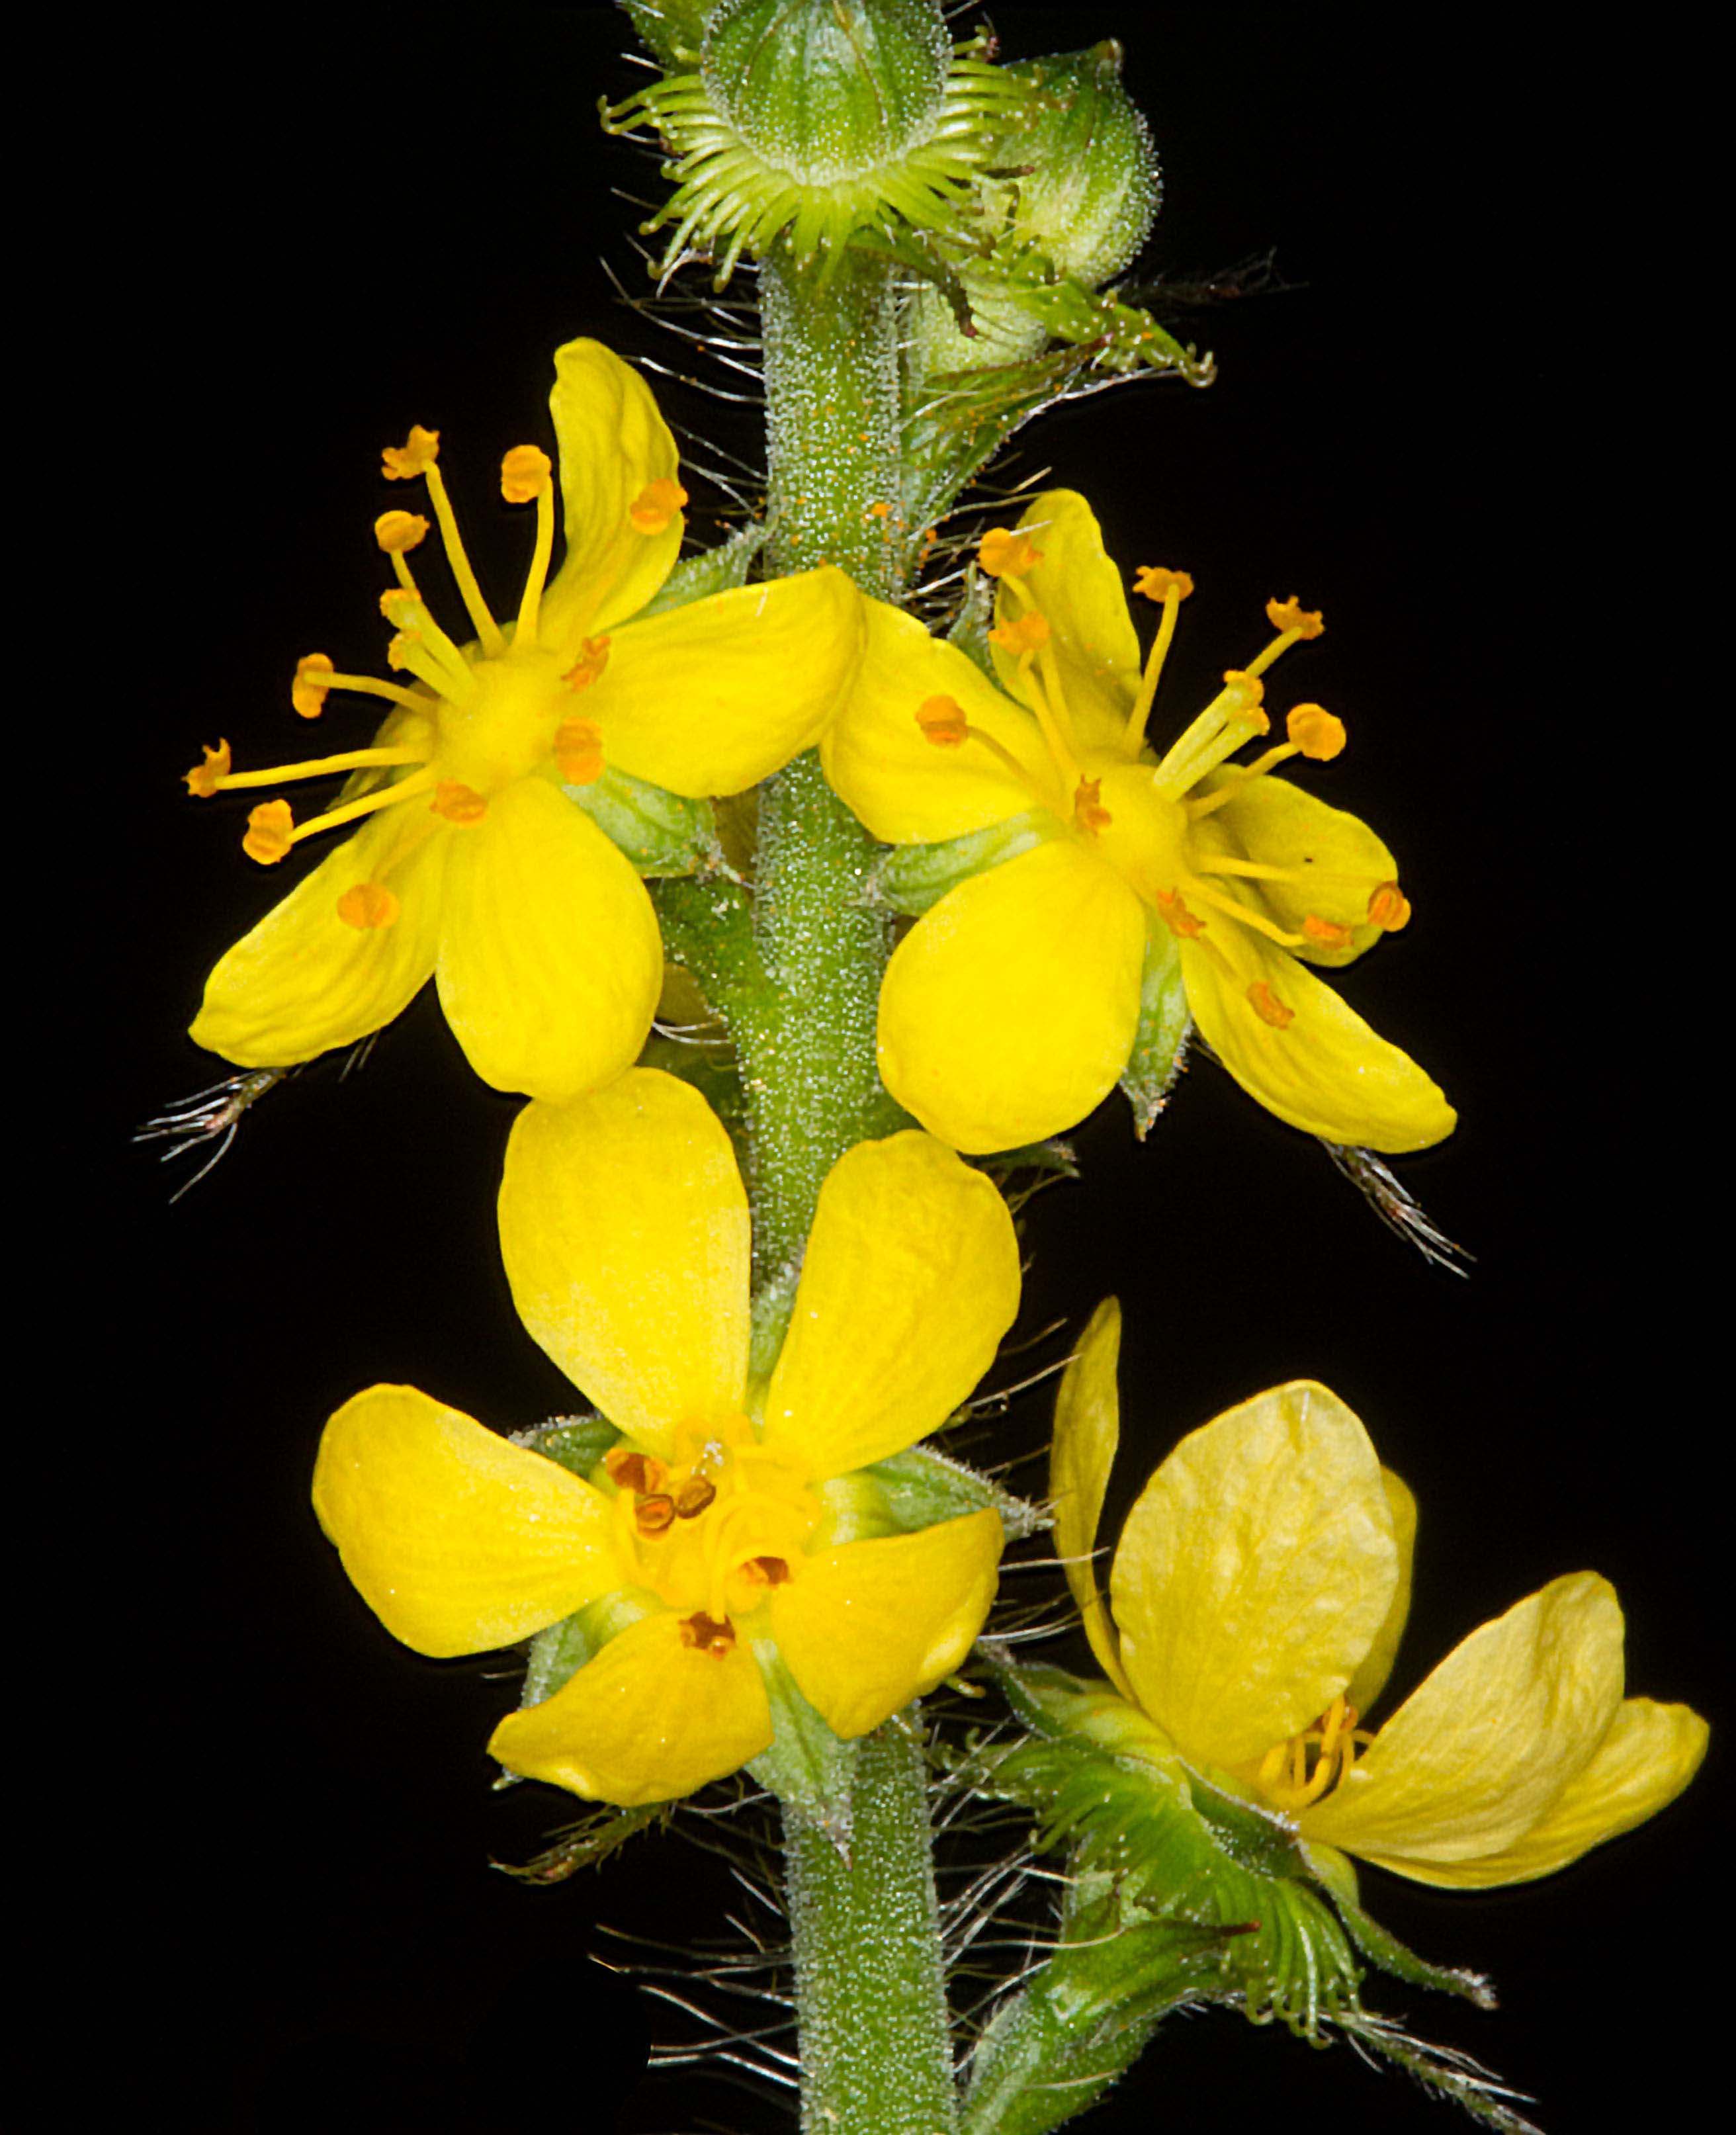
pixel 1389 908
pixel 578 752
pixel 1089 813
pixel 388 796
pixel 307 692
pixel 368 906
pixel 1247 917
pixel 652 1515
pixel 525 473
pixel 1171 588
pixel 522 472
pixel 657 505
pixel 422 646
pixel 319 766
pixel 1021 634
pixel 708 1634
pixel 588 667
pixel 1328 932
pixel 397 532
pixel 1268 1007
pixel 1293 620
pixel 693 1496
pixel 1172 911
pixel 270 832
pixel 1002 554
pixel 773 1570
pixel 457 802
pixel 1233 715
pixel 642 1473
pixel 1315 731
pixel 203 779
pixel 415 455
pixel 942 721
pixel 369 685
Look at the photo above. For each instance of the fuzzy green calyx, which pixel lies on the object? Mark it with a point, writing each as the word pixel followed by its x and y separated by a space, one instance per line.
pixel 1090 187
pixel 809 122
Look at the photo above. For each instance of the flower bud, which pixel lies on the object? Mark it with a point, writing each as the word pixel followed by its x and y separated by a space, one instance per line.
pixel 1090 195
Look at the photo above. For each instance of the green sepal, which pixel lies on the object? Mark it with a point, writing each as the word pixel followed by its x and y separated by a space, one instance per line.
pixel 970 625
pixel 712 571
pixel 675 29
pixel 913 878
pixel 1384 1948
pixel 559 1653
pixel 808 1767
pixel 576 1442
pixel 921 1487
pixel 585 1844
pixel 661 833
pixel 773 1303
pixel 1160 1046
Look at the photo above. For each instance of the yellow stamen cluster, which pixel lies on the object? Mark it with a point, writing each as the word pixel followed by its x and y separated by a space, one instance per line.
pixel 1003 554
pixel 657 505
pixel 1285 1777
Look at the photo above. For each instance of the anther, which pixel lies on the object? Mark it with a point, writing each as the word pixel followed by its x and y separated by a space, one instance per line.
pixel 1292 619
pixel 1005 554
pixel 1172 911
pixel 708 1635
pixel 269 828
pixel 1249 692
pixel 523 472
pixel 1389 908
pixel 398 532
pixel 657 505
pixel 1327 932
pixel 307 693
pixel 775 1571
pixel 1089 813
pixel 693 1497
pixel 457 802
pixel 578 752
pixel 415 455
pixel 652 1515
pixel 1268 1007
pixel 1156 583
pixel 203 779
pixel 588 667
pixel 1021 634
pixel 368 906
pixel 1315 731
pixel 400 607
pixel 942 721
pixel 640 1472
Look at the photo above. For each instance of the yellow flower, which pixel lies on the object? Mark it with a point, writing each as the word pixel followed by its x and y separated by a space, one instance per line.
pixel 723 1531
pixel 1012 1007
pixel 1259 1593
pixel 470 865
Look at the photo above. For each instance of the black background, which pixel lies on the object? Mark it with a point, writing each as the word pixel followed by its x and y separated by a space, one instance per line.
pixel 1447 434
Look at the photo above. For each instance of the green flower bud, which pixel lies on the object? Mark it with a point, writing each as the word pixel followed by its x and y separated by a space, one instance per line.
pixel 1091 191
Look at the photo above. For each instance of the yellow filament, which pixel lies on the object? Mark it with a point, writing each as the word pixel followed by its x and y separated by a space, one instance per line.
pixel 531 603
pixel 1050 717
pixel 1176 586
pixel 366 686
pixel 320 766
pixel 1257 920
pixel 487 629
pixel 389 797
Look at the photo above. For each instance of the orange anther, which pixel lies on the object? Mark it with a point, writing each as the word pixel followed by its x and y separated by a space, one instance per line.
pixel 400 607
pixel 657 504
pixel 693 1497
pixel 1317 732
pixel 366 906
pixel 457 802
pixel 1268 1007
pixel 523 472
pixel 588 667
pixel 1328 932
pixel 652 1515
pixel 268 832
pixel 1088 813
pixel 1172 911
pixel 1022 634
pixel 398 645
pixel 307 693
pixel 640 1472
pixel 706 1634
pixel 1294 619
pixel 942 721
pixel 578 752
pixel 397 532
pixel 415 455
pixel 1389 908
pixel 1156 583
pixel 1005 554
pixel 203 779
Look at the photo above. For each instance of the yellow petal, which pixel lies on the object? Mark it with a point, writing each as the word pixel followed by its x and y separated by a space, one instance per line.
pixel 1648 1756
pixel 456 1540
pixel 1369 1679
pixel 1008 1011
pixel 304 979
pixel 648 1720
pixel 1081 595
pixel 714 697
pixel 1081 1453
pixel 909 1279
pixel 909 790
pixel 550 959
pixel 1285 825
pixel 1325 1072
pixel 1480 1754
pixel 613 445
pixel 624 1229
pixel 867 1627
pixel 1255 1573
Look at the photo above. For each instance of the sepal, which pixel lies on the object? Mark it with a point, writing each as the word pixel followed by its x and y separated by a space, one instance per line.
pixel 713 571
pixel 808 1768
pixel 921 1487
pixel 912 879
pixel 661 833
pixel 1160 1048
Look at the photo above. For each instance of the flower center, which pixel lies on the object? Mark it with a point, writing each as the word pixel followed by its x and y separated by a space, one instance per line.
pixel 715 1529
pixel 1294 1773
pixel 474 719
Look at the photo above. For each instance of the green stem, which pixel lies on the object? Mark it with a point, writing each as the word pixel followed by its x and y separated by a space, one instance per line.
pixel 870 1996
